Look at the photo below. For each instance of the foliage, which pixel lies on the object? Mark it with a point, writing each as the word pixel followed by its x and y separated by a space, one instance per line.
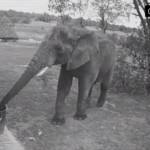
pixel 6 30
pixel 26 20
pixel 131 71
pixel 145 22
pixel 80 7
pixel 44 17
pixel 113 37
pixel 90 22
pixel 65 19
pixel 60 7
pixel 109 11
pixel 145 33
pixel 14 20
pixel 16 17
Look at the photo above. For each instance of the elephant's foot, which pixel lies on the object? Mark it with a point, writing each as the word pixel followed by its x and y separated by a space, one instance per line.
pixel 58 121
pixel 80 116
pixel 100 103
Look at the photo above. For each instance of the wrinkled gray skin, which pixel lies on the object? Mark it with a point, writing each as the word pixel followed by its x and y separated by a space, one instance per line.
pixel 86 55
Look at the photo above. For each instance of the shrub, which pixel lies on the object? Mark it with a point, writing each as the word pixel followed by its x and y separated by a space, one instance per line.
pixel 131 73
pixel 26 20
pixel 15 20
pixel 44 17
pixel 66 19
pixel 114 37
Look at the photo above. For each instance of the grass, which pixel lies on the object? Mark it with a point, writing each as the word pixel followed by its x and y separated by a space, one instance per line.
pixel 122 124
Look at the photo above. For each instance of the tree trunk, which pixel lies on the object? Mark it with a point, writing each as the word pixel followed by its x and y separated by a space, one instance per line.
pixel 81 22
pixel 103 24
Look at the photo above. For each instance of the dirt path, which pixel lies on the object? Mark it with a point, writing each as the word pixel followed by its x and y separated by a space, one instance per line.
pixel 122 124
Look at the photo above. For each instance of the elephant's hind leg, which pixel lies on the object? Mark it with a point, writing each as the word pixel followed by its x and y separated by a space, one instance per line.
pixel 102 97
pixel 89 97
pixel 63 89
pixel 104 85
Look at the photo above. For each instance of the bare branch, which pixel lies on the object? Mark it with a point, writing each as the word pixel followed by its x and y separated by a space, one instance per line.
pixel 139 13
pixel 109 11
pixel 135 14
pixel 140 3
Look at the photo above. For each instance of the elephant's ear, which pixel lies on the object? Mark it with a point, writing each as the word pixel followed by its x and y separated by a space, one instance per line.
pixel 85 46
pixel 78 59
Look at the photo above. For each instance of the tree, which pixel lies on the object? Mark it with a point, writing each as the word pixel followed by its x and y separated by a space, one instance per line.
pixel 139 6
pixel 80 7
pixel 109 11
pixel 60 7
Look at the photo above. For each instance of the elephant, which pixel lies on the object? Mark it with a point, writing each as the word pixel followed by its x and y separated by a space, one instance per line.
pixel 84 54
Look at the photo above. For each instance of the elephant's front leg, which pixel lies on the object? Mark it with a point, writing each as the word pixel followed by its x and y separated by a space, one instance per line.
pixel 84 88
pixel 63 89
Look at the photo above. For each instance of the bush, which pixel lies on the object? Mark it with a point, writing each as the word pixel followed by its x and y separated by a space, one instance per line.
pixel 66 19
pixel 15 20
pixel 26 20
pixel 113 37
pixel 44 17
pixel 122 41
pixel 131 73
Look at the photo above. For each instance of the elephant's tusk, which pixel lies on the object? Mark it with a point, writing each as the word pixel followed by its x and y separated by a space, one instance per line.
pixel 42 72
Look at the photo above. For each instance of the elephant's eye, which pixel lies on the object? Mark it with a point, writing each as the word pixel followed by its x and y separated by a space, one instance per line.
pixel 58 48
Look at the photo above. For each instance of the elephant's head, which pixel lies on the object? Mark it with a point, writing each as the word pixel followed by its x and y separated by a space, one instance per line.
pixel 63 45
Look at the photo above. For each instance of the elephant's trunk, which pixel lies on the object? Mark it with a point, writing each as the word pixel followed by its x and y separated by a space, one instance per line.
pixel 35 65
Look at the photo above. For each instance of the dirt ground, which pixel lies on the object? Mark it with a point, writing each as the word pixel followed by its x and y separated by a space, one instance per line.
pixel 122 124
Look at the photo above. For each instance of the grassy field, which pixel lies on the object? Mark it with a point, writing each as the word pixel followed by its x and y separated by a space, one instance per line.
pixel 122 124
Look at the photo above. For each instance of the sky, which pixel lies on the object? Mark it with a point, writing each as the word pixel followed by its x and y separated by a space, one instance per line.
pixel 41 6
pixel 37 6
